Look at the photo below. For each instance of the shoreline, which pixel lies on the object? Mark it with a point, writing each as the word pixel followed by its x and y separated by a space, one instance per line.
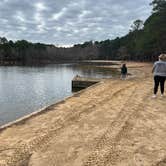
pixel 110 123
pixel 116 65
pixel 42 110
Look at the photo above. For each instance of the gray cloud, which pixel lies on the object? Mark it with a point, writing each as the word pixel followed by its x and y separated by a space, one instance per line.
pixel 67 22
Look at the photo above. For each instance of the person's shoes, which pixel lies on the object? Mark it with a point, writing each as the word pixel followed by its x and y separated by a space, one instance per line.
pixel 154 96
pixel 162 95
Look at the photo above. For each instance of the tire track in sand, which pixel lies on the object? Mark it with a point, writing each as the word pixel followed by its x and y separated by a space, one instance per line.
pixel 105 149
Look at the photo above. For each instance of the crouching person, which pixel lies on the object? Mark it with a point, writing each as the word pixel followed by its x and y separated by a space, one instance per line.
pixel 123 72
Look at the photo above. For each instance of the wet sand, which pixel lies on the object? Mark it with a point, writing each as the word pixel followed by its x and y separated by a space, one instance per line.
pixel 114 122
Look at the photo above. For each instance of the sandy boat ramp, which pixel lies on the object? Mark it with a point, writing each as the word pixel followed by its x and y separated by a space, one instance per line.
pixel 113 123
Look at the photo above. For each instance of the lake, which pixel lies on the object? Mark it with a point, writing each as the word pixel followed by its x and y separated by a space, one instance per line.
pixel 24 90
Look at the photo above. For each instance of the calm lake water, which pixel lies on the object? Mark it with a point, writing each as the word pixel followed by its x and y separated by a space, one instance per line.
pixel 24 90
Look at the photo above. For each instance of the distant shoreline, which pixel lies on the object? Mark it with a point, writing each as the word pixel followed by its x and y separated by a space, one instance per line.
pixel 49 62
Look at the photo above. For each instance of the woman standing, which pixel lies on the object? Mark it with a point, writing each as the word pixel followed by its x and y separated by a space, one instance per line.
pixel 159 72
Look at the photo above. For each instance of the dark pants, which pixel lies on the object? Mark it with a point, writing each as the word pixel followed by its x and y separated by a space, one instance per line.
pixel 159 80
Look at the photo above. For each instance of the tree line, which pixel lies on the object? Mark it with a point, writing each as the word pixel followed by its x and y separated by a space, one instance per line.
pixel 144 42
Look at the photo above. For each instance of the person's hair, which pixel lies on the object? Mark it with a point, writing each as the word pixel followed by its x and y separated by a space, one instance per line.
pixel 162 57
pixel 124 65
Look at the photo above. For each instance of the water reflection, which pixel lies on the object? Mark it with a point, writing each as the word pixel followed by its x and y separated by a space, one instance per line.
pixel 26 89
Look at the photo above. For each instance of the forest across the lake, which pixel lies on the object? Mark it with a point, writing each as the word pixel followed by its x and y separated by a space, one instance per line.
pixel 144 42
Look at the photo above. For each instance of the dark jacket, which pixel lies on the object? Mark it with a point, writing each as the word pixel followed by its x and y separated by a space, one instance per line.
pixel 124 70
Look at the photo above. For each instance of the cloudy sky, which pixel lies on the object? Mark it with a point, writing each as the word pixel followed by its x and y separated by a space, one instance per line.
pixel 67 22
